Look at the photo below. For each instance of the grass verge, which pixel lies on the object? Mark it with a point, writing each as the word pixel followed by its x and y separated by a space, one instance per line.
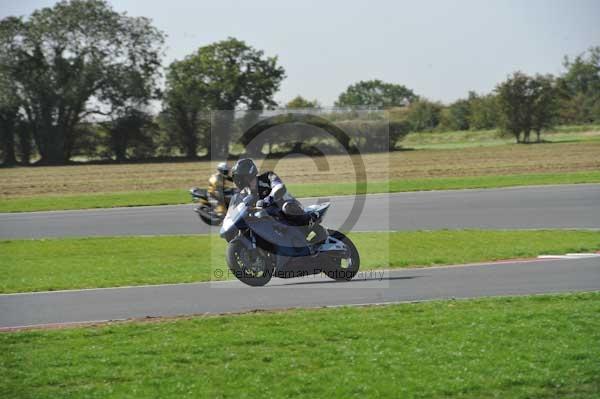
pixel 521 347
pixel 53 264
pixel 492 137
pixel 172 197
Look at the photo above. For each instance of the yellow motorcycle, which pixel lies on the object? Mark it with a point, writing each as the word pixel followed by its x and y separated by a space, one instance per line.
pixel 207 205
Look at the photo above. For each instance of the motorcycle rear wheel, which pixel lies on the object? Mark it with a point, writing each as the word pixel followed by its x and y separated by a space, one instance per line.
pixel 254 275
pixel 341 271
pixel 210 220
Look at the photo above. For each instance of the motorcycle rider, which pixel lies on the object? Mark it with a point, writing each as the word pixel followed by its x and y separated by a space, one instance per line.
pixel 218 183
pixel 270 189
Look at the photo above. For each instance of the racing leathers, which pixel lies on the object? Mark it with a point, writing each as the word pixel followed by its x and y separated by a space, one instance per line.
pixel 272 191
pixel 217 185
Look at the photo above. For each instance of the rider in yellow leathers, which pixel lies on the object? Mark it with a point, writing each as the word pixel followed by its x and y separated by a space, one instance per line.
pixel 218 184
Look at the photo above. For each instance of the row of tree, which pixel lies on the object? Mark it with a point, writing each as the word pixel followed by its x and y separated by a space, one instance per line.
pixel 65 64
pixel 80 79
pixel 518 106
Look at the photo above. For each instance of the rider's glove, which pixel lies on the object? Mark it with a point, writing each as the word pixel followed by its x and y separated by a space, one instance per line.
pixel 268 201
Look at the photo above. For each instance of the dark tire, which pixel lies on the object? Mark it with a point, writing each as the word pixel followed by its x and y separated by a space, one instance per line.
pixel 338 272
pixel 216 221
pixel 235 255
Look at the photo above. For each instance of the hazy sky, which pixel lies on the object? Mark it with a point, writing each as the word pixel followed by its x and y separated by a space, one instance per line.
pixel 440 49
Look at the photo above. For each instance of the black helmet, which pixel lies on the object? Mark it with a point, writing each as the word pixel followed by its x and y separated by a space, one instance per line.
pixel 243 172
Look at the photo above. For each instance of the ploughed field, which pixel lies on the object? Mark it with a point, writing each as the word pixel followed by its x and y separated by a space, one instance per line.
pixel 548 158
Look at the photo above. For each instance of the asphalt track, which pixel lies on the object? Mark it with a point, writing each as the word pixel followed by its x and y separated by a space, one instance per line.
pixel 512 278
pixel 569 206
pixel 564 206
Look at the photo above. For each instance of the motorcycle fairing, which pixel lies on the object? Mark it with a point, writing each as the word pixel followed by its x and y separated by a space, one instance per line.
pixel 280 238
pixel 319 209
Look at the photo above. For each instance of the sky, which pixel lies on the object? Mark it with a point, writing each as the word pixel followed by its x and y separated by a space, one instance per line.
pixel 439 49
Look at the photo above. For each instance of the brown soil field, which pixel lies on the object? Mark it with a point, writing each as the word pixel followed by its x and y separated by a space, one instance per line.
pixel 475 161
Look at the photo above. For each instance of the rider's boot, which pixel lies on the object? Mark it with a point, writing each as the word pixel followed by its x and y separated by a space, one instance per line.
pixel 316 235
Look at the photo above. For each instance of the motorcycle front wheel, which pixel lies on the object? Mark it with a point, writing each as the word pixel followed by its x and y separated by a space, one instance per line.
pixel 253 267
pixel 344 269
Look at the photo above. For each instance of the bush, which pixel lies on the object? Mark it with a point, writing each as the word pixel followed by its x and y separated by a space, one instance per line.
pixel 424 115
pixel 484 111
pixel 456 116
pixel 369 136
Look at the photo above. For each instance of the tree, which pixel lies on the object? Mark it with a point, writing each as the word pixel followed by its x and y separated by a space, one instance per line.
pixel 545 103
pixel 9 98
pixel 580 87
pixel 129 128
pixel 76 59
pixel 9 119
pixel 527 103
pixel 220 77
pixel 293 135
pixel 300 102
pixel 516 97
pixel 376 94
pixel 184 100
pixel 24 142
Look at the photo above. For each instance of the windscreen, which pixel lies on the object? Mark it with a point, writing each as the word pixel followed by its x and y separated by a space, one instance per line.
pixel 237 205
pixel 232 211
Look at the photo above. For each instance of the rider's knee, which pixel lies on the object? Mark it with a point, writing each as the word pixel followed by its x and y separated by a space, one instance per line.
pixel 292 208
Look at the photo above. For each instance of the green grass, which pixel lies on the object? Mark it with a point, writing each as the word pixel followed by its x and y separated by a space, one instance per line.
pixel 53 264
pixel 96 200
pixel 172 197
pixel 522 347
pixel 492 137
pixel 575 128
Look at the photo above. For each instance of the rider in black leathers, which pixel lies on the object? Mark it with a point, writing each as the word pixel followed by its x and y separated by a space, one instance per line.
pixel 270 189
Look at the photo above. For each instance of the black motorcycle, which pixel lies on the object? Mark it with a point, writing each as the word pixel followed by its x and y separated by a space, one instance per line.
pixel 262 245
pixel 207 205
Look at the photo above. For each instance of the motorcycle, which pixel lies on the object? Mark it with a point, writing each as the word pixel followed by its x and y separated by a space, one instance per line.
pixel 262 245
pixel 207 205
